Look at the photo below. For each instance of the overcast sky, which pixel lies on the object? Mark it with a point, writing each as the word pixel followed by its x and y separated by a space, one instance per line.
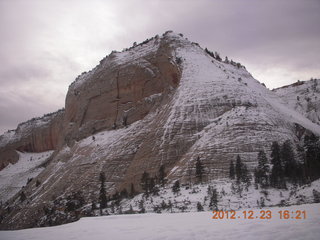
pixel 46 44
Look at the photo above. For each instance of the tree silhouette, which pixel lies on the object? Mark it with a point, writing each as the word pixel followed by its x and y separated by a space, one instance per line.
pixel 199 170
pixel 102 196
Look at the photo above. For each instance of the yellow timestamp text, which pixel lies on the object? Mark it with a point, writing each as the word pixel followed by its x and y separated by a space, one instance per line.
pixel 260 214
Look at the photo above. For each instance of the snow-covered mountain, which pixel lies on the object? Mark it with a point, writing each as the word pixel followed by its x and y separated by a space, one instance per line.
pixel 304 97
pixel 164 102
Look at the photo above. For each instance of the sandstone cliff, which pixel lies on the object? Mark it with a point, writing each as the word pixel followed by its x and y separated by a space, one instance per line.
pixel 117 91
pixel 36 135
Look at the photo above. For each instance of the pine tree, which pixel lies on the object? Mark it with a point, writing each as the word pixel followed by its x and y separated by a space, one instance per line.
pixel 256 178
pixel 262 169
pixel 125 120
pixel 111 206
pixel 199 207
pixel 141 207
pixel 163 205
pixel 152 185
pixel 38 183
pixel 153 188
pixel 199 170
pixel 218 56
pixel 102 196
pixel 210 53
pixel 262 202
pixel 145 179
pixel 213 204
pixel 277 175
pixel 312 146
pixel 176 187
pixel 23 196
pixel 231 171
pixel 162 175
pixel 93 206
pixel 316 196
pixel 246 178
pixel 300 173
pixel 170 205
pixel 132 191
pixel 288 160
pixel 116 198
pixel 124 193
pixel 238 169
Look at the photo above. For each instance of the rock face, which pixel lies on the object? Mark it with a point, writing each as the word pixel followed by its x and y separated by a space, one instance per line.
pixel 163 102
pixel 117 92
pixel 304 97
pixel 35 135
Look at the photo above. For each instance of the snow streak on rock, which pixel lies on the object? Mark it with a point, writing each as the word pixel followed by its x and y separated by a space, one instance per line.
pixel 15 176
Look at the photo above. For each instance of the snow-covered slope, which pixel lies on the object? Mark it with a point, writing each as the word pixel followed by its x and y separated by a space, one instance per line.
pixel 304 97
pixel 221 102
pixel 15 176
pixel 183 226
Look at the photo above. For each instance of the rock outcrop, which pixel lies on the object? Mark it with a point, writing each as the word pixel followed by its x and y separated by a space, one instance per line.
pixel 36 135
pixel 117 92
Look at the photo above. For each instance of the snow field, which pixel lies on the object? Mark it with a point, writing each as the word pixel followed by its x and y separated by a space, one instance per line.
pixel 186 226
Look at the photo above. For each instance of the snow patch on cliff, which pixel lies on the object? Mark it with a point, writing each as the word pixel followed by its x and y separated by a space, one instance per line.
pixel 15 176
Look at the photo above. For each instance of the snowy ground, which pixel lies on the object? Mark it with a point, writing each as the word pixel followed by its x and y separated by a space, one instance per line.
pixel 195 225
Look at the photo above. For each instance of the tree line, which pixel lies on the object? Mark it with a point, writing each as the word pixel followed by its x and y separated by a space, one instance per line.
pixel 283 167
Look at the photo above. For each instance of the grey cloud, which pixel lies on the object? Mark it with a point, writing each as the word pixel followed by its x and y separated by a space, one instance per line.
pixel 21 108
pixel 14 74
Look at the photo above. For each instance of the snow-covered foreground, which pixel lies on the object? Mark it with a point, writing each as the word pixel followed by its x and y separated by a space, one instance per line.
pixel 194 225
